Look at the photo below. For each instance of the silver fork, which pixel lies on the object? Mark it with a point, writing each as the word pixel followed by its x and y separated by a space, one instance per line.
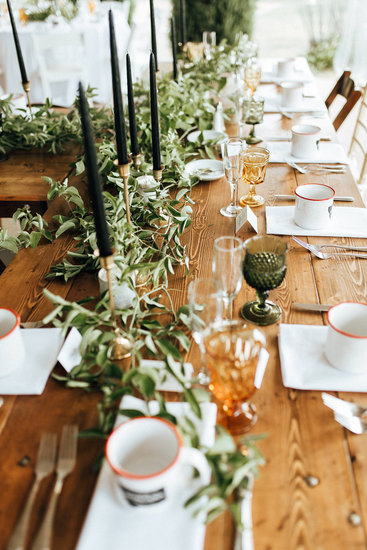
pixel 342 407
pixel 316 248
pixel 65 464
pixel 317 168
pixel 45 464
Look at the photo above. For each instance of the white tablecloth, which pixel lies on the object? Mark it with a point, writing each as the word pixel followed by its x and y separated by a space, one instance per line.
pixel 96 37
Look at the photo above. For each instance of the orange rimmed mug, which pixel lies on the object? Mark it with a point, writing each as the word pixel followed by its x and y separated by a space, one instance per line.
pixel 12 352
pixel 147 454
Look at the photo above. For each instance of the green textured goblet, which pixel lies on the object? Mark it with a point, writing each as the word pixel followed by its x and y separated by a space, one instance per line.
pixel 264 268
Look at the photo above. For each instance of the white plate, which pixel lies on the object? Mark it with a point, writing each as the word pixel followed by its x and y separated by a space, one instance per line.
pixel 206 169
pixel 208 135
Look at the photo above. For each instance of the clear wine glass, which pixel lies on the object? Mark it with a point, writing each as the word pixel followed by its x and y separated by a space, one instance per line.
pixel 205 310
pixel 232 160
pixel 209 42
pixel 227 264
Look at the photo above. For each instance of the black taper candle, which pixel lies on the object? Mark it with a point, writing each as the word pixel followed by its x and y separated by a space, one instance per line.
pixel 183 22
pixel 152 32
pixel 154 115
pixel 132 121
pixel 95 188
pixel 117 98
pixel 173 40
pixel 17 45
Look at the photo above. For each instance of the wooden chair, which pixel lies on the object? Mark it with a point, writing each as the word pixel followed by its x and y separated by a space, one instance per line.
pixel 345 88
pixel 358 147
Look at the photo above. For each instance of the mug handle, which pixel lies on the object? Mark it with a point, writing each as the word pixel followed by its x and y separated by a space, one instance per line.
pixel 193 457
pixel 318 144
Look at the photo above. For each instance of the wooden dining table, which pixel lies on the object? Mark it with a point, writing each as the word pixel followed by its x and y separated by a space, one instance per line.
pixel 311 493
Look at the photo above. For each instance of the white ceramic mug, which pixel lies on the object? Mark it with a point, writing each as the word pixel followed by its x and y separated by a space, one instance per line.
pixel 122 294
pixel 292 94
pixel 285 67
pixel 305 140
pixel 12 352
pixel 346 343
pixel 146 454
pixel 314 203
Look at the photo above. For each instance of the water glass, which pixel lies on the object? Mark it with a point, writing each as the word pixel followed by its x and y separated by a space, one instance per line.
pixel 227 261
pixel 209 42
pixel 205 310
pixel 251 112
pixel 232 160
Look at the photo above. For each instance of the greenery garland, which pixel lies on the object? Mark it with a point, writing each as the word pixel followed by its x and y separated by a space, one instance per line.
pixel 150 247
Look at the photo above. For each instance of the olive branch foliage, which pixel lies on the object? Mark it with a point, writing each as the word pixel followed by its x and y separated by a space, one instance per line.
pixel 150 248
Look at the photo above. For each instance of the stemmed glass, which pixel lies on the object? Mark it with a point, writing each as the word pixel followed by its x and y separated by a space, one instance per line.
pixel 264 268
pixel 209 41
pixel 252 74
pixel 255 161
pixel 232 354
pixel 227 261
pixel 251 112
pixel 232 159
pixel 205 310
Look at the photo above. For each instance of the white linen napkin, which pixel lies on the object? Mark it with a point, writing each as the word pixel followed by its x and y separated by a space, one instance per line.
pixel 307 105
pixel 280 151
pixel 114 525
pixel 304 365
pixel 300 73
pixel 41 348
pixel 345 222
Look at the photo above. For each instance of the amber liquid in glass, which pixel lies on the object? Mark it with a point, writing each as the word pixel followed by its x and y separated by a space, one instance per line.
pixel 232 358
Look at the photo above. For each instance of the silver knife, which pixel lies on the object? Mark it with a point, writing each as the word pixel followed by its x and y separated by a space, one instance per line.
pixel 284 138
pixel 293 197
pixel 312 307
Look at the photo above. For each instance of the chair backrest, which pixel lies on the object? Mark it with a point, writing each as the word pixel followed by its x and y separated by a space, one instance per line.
pixel 345 88
pixel 358 147
pixel 61 58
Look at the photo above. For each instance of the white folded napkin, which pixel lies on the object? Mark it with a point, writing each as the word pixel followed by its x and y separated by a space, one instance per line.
pixel 345 222
pixel 41 348
pixel 114 525
pixel 308 104
pixel 304 365
pixel 327 152
pixel 300 73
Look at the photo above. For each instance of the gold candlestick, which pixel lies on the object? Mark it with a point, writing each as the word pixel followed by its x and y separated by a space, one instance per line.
pixel 124 171
pixel 157 174
pixel 121 346
pixel 26 88
pixel 136 161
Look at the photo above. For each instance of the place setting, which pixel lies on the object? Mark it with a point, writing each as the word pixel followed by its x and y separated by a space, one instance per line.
pixel 291 69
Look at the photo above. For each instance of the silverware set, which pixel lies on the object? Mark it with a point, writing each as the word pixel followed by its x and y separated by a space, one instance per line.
pixel 315 168
pixel 350 415
pixel 317 250
pixel 45 465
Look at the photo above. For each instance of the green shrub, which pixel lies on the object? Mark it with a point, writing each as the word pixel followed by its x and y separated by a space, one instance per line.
pixel 225 17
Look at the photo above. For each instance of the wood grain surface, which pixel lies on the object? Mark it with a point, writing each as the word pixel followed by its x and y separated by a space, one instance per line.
pixel 302 440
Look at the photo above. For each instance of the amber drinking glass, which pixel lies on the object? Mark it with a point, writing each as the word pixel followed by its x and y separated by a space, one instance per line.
pixel 252 74
pixel 264 268
pixel 255 161
pixel 232 354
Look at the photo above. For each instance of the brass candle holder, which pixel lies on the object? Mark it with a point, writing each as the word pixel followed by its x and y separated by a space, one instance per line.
pixel 26 88
pixel 124 171
pixel 136 159
pixel 157 174
pixel 121 346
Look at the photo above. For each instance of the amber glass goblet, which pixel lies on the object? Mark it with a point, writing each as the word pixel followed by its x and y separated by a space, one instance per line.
pixel 232 355
pixel 252 74
pixel 255 162
pixel 264 268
